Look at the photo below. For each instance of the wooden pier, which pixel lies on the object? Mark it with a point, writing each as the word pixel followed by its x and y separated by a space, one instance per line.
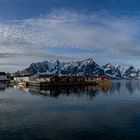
pixel 45 85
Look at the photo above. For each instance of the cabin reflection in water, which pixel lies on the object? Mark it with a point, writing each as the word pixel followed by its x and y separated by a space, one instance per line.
pixel 4 85
pixel 56 91
pixel 117 87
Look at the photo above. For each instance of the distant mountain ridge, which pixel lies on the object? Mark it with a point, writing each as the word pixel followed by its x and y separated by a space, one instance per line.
pixel 86 67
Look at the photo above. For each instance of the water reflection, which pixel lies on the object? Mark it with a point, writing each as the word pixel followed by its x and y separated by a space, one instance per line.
pixel 117 87
pixel 4 86
pixel 125 86
pixel 55 92
pixel 72 116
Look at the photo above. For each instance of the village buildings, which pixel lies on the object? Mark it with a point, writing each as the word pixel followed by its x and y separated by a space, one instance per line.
pixel 63 79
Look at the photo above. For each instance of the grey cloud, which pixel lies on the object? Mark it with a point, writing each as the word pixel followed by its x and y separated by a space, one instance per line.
pixel 24 39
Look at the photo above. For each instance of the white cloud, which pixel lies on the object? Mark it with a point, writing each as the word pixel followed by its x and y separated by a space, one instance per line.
pixel 23 41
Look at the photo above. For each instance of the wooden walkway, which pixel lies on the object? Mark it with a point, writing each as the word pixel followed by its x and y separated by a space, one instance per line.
pixel 45 85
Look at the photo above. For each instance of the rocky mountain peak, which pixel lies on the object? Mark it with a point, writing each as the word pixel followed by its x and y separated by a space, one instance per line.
pixel 85 67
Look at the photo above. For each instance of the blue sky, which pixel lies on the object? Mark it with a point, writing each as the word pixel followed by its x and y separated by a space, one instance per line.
pixel 36 30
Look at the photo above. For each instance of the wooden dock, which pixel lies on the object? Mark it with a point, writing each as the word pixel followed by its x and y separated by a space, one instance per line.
pixel 103 82
pixel 45 85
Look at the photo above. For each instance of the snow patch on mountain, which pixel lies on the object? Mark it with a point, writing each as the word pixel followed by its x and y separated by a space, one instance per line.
pixel 86 67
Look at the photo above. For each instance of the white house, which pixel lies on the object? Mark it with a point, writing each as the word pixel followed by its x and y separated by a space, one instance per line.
pixel 26 78
pixel 23 78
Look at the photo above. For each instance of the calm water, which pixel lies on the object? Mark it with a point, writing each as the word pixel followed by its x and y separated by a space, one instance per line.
pixel 87 113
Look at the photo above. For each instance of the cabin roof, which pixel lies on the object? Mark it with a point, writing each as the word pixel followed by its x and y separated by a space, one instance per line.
pixel 105 76
pixel 46 76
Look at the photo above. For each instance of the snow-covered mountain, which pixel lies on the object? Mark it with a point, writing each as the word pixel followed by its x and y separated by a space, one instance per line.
pixel 86 67
pixel 118 72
